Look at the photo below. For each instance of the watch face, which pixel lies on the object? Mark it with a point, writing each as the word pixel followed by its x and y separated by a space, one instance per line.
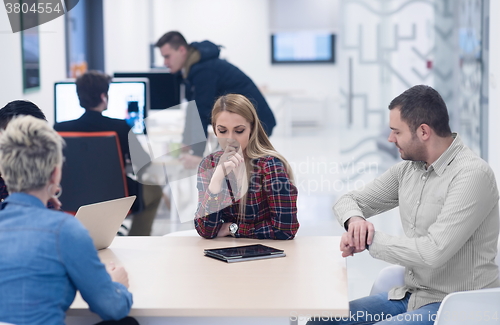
pixel 233 228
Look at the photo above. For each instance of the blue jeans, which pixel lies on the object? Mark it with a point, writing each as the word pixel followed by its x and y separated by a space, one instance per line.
pixel 378 309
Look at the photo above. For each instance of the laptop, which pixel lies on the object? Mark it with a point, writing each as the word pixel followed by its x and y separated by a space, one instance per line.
pixel 244 253
pixel 103 219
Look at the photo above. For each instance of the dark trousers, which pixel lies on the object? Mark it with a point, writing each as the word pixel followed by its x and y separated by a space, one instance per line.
pixel 144 208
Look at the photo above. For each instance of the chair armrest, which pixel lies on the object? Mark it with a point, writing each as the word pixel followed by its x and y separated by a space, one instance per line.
pixel 470 307
pixel 390 277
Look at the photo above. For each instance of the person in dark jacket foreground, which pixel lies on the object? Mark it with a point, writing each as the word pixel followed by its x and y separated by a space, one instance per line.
pixel 207 77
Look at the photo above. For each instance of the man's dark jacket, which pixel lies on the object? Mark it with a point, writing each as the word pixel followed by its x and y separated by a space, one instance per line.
pixel 212 77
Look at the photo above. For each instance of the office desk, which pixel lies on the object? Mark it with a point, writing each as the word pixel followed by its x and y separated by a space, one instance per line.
pixel 170 276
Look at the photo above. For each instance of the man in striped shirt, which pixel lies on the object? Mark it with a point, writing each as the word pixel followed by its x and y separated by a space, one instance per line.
pixel 448 203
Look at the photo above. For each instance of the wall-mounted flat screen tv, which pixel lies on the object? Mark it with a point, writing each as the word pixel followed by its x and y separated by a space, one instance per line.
pixel 302 47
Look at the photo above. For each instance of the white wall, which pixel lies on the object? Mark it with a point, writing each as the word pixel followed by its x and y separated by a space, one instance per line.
pixel 126 30
pixel 131 25
pixel 52 64
pixel 293 15
pixel 494 88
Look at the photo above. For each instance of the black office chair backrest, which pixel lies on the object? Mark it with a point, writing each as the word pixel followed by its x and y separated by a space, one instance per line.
pixel 93 170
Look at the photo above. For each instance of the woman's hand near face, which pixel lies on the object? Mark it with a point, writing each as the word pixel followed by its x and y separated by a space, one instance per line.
pixel 230 160
pixel 232 157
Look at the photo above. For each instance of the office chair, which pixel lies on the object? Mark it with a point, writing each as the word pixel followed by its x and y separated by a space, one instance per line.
pixel 93 170
pixel 466 307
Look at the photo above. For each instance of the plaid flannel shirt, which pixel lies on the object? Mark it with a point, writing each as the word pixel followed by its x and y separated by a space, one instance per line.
pixel 271 207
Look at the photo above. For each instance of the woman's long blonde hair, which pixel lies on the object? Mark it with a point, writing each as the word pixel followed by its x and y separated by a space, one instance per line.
pixel 258 143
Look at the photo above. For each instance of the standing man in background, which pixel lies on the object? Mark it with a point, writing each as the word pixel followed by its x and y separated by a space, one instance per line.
pixel 208 77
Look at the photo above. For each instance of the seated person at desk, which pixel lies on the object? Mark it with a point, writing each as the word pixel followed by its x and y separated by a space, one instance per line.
pixel 92 89
pixel 245 190
pixel 47 255
pixel 207 77
pixel 9 111
pixel 448 204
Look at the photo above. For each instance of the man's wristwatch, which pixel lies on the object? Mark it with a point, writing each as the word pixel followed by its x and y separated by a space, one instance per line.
pixel 233 228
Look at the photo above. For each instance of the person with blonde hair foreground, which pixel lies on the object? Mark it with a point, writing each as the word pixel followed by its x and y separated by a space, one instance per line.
pixel 47 255
pixel 7 113
pixel 246 189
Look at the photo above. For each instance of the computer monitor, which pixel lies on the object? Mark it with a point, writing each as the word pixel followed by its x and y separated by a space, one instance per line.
pixel 164 87
pixel 128 99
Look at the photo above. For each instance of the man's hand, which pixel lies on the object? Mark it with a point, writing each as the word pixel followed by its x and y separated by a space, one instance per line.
pixel 360 232
pixel 190 161
pixel 345 248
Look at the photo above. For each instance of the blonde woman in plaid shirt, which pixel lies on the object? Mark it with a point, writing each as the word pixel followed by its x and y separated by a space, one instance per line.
pixel 246 189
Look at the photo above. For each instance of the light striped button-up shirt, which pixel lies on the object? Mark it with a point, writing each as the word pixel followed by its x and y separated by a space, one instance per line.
pixel 449 214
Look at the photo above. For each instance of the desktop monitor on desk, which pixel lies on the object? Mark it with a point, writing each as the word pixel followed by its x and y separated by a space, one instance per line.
pixel 164 87
pixel 128 100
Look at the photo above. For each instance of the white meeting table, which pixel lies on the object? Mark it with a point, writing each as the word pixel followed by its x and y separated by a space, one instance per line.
pixel 171 277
